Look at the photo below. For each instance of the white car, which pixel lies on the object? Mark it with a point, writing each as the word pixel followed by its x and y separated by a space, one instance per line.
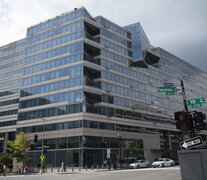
pixel 163 162
pixel 139 164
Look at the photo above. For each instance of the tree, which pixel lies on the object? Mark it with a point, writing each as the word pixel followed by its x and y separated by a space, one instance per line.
pixel 166 153
pixel 133 149
pixel 20 147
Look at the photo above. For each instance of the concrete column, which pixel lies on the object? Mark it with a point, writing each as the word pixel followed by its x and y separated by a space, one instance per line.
pixel 169 140
pixel 5 142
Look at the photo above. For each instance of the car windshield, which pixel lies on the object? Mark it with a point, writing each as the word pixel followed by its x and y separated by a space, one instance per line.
pixel 136 161
pixel 161 159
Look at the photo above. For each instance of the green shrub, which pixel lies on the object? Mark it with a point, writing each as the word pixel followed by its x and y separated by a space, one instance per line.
pixel 6 159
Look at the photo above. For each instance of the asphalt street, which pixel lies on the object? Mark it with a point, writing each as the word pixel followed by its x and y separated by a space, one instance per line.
pixel 170 173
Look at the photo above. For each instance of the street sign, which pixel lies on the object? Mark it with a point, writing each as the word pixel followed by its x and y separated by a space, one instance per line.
pixel 196 101
pixel 168 84
pixel 108 153
pixel 196 105
pixel 170 93
pixel 167 89
pixel 42 157
pixel 190 143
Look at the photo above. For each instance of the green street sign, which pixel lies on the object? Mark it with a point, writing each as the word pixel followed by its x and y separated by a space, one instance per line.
pixel 170 93
pixel 196 101
pixel 196 105
pixel 167 89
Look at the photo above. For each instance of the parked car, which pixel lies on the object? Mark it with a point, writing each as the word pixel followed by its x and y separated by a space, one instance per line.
pixel 163 162
pixel 139 164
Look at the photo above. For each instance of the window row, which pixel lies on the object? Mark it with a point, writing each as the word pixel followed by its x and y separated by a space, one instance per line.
pixel 115 47
pixel 72 49
pixel 5 103
pixel 7 113
pixel 78 124
pixel 13 55
pixel 113 27
pixel 54 42
pixel 52 87
pixel 129 92
pixel 114 56
pixel 72 72
pixel 72 27
pixel 11 82
pixel 12 47
pixel 52 64
pixel 71 97
pixel 116 38
pixel 131 115
pixel 49 112
pixel 12 64
pixel 12 91
pixel 8 123
pixel 11 73
pixel 54 22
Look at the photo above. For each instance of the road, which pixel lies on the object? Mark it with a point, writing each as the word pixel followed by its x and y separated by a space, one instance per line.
pixel 170 173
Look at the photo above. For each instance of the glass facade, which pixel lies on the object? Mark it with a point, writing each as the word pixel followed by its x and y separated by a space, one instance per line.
pixel 90 79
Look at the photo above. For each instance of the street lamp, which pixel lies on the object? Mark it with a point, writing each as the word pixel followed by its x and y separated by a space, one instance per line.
pixel 120 153
pixel 43 136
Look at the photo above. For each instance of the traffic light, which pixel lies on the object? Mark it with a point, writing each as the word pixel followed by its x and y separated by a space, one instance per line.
pixel 104 144
pixel 35 138
pixel 199 118
pixel 180 120
pixel 190 122
pixel 44 150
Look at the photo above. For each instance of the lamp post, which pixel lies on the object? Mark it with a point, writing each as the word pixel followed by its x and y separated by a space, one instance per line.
pixel 43 136
pixel 120 153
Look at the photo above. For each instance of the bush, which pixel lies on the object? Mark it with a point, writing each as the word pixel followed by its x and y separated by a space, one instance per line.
pixel 10 166
pixel 6 159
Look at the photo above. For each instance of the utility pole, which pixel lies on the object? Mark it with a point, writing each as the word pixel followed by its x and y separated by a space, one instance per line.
pixel 184 96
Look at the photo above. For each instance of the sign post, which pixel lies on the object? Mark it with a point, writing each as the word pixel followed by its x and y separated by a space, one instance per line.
pixel 195 103
pixel 190 143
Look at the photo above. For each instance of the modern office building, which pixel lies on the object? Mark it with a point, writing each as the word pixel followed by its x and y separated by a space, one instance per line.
pixel 91 85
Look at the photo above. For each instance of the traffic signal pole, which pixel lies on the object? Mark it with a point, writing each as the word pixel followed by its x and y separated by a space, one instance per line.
pixel 184 96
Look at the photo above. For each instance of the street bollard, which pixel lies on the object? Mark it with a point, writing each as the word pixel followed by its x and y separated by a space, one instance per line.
pixel 86 167
pixel 102 166
pixel 51 169
pixel 92 167
pixel 58 170
pixel 79 168
pixel 97 167
pixel 72 169
pixel 107 167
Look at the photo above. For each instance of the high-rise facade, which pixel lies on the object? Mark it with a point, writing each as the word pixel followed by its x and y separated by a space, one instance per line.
pixel 91 85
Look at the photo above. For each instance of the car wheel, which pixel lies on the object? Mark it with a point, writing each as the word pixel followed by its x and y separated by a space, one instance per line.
pixel 138 166
pixel 171 164
pixel 148 165
pixel 154 166
pixel 163 165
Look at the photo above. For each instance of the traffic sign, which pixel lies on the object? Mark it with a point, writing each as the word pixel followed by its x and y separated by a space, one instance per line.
pixel 42 157
pixel 196 105
pixel 196 101
pixel 170 93
pixel 108 153
pixel 167 89
pixel 168 84
pixel 190 143
pixel 179 89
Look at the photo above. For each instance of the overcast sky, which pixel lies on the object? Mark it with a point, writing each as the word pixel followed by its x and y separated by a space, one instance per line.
pixel 179 26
